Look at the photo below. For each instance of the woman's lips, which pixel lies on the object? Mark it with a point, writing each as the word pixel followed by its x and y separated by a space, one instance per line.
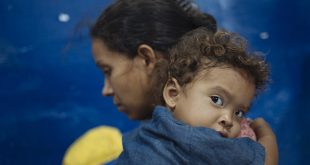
pixel 121 108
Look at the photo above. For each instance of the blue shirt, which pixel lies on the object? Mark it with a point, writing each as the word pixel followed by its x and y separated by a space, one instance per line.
pixel 165 140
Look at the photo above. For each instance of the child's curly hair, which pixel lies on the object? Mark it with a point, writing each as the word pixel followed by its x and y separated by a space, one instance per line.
pixel 201 49
pixel 220 49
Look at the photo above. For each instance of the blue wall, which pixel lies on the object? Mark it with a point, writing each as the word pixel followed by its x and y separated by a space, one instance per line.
pixel 50 89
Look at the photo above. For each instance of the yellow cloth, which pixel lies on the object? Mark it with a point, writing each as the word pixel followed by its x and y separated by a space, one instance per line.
pixel 97 146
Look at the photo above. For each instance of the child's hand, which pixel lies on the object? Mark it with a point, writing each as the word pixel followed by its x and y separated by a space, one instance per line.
pixel 246 130
pixel 267 138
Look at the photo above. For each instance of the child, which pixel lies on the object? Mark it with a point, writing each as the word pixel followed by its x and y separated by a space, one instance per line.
pixel 212 81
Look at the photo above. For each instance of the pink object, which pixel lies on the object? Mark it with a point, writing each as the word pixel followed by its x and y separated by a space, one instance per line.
pixel 246 130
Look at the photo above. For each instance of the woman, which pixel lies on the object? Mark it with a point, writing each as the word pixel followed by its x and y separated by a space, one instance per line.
pixel 131 38
pixel 130 33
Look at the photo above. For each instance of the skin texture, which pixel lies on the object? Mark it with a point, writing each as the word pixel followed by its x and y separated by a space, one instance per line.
pixel 217 99
pixel 127 80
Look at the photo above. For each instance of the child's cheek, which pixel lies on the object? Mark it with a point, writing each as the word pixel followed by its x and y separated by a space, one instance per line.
pixel 246 130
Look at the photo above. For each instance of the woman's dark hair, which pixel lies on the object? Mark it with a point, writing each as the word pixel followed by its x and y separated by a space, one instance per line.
pixel 126 24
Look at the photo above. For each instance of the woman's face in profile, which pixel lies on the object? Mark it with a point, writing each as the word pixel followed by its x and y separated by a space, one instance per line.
pixel 125 80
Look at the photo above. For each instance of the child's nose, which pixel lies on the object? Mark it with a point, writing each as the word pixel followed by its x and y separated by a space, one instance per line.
pixel 226 119
pixel 107 90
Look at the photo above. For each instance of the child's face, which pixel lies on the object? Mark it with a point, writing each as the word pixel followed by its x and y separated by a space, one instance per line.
pixel 217 99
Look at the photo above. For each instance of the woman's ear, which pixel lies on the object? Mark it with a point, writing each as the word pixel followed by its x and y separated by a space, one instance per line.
pixel 171 93
pixel 147 57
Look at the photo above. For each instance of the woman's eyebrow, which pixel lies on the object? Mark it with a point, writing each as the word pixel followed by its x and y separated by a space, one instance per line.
pixel 100 63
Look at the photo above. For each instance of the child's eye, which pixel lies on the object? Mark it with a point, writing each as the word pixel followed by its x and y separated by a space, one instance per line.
pixel 240 113
pixel 217 100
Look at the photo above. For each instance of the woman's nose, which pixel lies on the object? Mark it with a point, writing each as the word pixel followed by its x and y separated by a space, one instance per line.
pixel 107 90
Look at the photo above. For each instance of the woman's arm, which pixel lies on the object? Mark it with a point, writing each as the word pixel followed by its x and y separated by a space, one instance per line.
pixel 267 138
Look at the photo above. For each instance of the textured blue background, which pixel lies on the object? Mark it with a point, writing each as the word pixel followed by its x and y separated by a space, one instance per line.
pixel 50 89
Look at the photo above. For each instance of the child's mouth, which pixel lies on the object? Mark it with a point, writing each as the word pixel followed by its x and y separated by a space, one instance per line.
pixel 223 133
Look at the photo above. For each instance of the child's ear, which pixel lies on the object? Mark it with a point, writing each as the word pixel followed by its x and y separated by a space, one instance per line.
pixel 171 93
pixel 147 57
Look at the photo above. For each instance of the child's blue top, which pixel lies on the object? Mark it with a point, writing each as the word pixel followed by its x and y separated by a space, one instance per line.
pixel 165 140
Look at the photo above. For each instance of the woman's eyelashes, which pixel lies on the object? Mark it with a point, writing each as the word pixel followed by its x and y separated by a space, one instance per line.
pixel 217 100
pixel 107 71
